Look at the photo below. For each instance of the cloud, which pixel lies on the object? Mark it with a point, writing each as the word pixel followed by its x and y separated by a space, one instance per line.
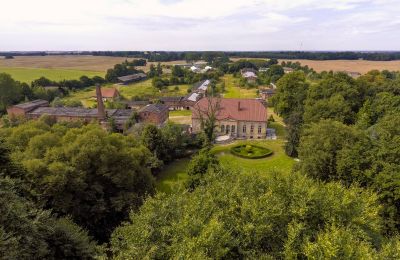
pixel 202 25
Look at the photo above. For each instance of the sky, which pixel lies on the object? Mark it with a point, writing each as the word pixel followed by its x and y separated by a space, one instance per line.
pixel 183 25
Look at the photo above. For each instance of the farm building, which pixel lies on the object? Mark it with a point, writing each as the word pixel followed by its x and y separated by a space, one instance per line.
pixel 250 75
pixel 237 118
pixel 266 93
pixel 153 114
pixel 287 70
pixel 124 80
pixel 173 103
pixel 202 86
pixel 136 104
pixel 156 114
pixel 108 94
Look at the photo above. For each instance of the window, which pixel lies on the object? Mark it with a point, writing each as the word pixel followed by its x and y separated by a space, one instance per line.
pixel 244 129
pixel 251 128
pixel 259 129
pixel 222 128
pixel 227 129
pixel 233 129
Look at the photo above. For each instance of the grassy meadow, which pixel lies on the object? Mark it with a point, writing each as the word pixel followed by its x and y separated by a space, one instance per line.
pixel 233 90
pixel 27 75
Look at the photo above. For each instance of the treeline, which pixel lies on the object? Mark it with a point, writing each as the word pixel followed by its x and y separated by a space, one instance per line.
pixel 159 56
pixel 13 92
pixel 346 130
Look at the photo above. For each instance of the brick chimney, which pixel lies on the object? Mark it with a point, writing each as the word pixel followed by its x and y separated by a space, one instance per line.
pixel 101 113
pixel 239 106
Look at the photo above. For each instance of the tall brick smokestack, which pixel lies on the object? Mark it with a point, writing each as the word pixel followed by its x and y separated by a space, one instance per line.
pixel 101 113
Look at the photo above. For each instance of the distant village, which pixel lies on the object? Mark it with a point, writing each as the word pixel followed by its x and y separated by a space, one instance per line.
pixel 237 118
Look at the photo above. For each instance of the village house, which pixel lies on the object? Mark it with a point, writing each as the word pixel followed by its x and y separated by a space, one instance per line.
pixel 266 93
pixel 156 114
pixel 202 86
pixel 237 118
pixel 173 103
pixel 250 75
pixel 199 90
pixel 287 70
pixel 125 80
pixel 108 94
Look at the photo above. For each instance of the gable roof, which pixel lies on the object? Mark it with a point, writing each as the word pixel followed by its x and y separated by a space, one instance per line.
pixel 32 104
pixel 108 92
pixel 132 77
pixel 233 108
pixel 154 108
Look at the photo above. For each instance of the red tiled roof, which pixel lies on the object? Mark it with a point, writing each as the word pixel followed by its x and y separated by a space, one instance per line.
pixel 109 92
pixel 233 108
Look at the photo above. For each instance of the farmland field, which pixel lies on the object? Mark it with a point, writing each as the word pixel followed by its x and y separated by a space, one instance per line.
pixel 361 66
pixel 72 62
pixel 29 74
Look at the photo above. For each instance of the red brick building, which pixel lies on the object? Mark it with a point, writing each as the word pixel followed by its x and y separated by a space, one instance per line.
pixel 156 114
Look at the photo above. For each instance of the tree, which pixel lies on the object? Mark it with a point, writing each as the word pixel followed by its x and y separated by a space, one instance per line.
pixel 86 173
pixel 320 146
pixel 335 97
pixel 208 119
pixel 290 94
pixel 28 232
pixel 159 69
pixel 10 92
pixel 250 216
pixel 152 139
pixel 199 165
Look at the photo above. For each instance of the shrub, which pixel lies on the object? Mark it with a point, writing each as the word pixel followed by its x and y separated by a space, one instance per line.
pixel 250 151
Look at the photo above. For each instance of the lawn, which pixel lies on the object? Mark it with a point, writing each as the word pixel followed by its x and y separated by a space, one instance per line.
pixel 29 74
pixel 233 90
pixel 180 113
pixel 173 175
pixel 278 161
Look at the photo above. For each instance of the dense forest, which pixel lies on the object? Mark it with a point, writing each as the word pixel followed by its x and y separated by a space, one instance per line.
pixel 198 55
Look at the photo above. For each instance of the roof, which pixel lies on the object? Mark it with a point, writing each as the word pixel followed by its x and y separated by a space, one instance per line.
pixel 249 74
pixel 136 102
pixel 202 85
pixel 132 77
pixel 267 91
pixel 193 97
pixel 235 109
pixel 109 92
pixel 32 104
pixel 65 111
pixel 154 108
pixel 171 99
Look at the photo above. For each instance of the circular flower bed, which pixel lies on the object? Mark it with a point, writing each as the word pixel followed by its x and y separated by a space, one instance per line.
pixel 250 151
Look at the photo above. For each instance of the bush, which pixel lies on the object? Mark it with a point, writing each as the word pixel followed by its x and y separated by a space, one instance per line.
pixel 250 151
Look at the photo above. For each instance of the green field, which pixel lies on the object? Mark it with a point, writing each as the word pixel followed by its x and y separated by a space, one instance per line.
pixel 233 90
pixel 29 74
